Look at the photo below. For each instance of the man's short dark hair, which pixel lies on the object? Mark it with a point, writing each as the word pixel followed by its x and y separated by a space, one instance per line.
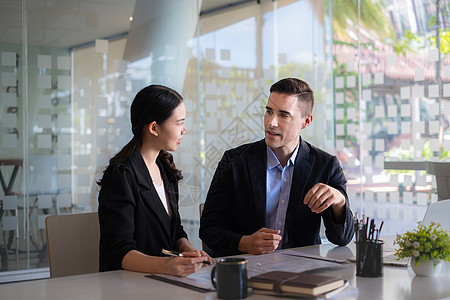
pixel 298 88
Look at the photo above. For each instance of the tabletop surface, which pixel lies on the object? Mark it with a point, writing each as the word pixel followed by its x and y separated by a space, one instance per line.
pixel 396 283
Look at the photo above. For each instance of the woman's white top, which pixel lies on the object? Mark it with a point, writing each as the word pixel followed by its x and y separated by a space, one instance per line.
pixel 162 195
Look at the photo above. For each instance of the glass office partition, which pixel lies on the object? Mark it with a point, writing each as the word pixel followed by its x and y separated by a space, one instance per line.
pixel 391 104
pixel 11 154
pixel 293 45
pixel 255 46
pixel 380 71
pixel 69 73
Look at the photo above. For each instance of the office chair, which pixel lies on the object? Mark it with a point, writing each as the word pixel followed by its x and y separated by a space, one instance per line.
pixel 73 244
pixel 440 169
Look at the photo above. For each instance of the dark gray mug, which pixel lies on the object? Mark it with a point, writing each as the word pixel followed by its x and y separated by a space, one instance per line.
pixel 229 277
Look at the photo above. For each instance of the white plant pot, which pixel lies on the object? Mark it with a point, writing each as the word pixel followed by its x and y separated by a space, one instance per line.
pixel 425 268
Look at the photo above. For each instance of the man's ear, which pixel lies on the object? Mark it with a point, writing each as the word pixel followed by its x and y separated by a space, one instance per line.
pixel 308 121
pixel 153 128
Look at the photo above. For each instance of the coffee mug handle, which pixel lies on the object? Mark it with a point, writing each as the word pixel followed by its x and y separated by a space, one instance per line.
pixel 213 277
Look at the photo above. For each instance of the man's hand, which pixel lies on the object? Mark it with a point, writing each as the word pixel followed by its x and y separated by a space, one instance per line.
pixel 322 196
pixel 261 242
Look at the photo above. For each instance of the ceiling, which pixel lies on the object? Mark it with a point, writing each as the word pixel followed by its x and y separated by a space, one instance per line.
pixel 69 23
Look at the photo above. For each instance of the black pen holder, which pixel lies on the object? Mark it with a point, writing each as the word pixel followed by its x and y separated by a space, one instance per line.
pixel 369 258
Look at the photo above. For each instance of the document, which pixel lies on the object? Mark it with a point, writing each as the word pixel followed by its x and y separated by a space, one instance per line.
pixel 284 261
pixel 257 264
pixel 199 281
pixel 312 256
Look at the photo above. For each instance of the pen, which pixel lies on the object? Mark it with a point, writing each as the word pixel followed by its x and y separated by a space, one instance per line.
pixel 171 253
pixel 381 226
pixel 178 254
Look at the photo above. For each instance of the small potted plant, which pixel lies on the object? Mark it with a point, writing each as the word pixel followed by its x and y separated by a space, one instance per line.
pixel 427 246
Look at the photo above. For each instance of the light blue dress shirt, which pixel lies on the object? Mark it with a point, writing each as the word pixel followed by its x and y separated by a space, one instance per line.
pixel 278 190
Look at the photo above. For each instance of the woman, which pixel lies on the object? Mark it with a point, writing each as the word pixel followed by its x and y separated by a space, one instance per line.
pixel 138 200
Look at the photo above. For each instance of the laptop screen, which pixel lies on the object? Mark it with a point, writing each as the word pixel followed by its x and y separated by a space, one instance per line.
pixel 438 212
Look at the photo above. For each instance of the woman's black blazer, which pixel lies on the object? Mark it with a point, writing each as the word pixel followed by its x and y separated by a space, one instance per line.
pixel 131 214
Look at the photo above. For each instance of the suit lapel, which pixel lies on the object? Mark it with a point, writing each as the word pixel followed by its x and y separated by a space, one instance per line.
pixel 148 192
pixel 256 168
pixel 304 162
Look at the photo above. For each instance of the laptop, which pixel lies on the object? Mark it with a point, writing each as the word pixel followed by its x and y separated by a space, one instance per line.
pixel 437 212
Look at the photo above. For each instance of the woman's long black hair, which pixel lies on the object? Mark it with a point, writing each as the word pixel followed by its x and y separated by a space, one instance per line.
pixel 152 103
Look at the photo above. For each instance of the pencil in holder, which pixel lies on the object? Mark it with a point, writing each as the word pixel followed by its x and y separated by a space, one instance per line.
pixel 369 258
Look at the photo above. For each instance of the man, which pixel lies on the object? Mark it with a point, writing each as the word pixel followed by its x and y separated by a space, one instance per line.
pixel 273 193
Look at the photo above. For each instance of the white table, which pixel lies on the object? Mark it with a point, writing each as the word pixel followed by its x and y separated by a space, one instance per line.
pixel 397 283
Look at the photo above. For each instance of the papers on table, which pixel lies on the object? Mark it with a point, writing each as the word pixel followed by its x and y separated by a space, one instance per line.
pixel 283 261
pixel 290 260
pixel 312 256
pixel 199 281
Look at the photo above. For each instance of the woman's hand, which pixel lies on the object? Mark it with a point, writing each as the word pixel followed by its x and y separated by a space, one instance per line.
pixel 178 266
pixel 186 248
pixel 208 258
pixel 183 266
pixel 199 253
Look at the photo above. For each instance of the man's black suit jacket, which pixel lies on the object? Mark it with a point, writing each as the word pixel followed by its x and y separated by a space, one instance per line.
pixel 236 200
pixel 132 217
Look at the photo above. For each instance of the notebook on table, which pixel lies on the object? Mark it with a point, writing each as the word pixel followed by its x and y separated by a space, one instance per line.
pixel 295 283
